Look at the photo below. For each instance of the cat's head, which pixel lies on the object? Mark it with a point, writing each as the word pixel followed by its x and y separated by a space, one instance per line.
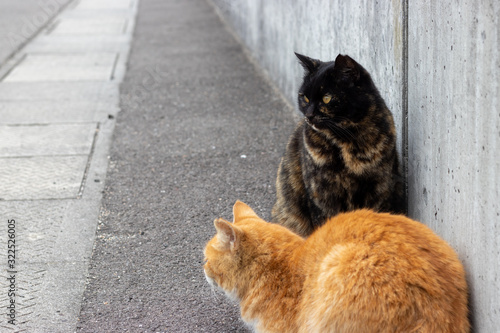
pixel 337 94
pixel 223 252
pixel 240 248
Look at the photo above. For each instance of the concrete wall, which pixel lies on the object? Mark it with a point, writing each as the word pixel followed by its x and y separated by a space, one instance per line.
pixel 454 138
pixel 437 64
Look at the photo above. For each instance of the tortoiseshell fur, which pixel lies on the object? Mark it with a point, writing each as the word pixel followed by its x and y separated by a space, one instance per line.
pixel 342 156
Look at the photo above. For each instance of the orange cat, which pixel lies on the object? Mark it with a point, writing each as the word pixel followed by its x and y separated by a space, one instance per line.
pixel 360 272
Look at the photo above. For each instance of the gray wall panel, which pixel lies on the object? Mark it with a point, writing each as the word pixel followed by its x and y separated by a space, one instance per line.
pixel 453 138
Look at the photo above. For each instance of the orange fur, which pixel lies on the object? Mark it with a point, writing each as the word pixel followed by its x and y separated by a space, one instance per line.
pixel 360 272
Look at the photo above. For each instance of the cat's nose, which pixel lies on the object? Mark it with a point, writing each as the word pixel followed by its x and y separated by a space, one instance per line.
pixel 309 111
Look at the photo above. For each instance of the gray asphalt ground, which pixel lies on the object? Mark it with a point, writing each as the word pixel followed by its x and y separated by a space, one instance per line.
pixel 199 128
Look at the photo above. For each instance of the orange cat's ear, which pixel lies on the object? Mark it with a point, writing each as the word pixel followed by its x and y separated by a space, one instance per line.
pixel 241 210
pixel 228 234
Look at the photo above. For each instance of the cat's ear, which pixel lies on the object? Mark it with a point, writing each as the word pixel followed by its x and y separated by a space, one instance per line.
pixel 347 67
pixel 228 234
pixel 309 64
pixel 242 210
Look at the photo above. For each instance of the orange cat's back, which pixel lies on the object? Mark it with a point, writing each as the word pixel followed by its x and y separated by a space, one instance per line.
pixel 359 272
pixel 371 272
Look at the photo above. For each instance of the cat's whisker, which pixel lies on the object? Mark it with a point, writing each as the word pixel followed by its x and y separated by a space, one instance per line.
pixel 213 293
pixel 340 131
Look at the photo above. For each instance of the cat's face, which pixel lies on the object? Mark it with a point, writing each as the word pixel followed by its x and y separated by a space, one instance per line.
pixel 334 95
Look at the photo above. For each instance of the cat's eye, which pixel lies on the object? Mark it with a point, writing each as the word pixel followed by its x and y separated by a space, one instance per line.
pixel 306 99
pixel 327 99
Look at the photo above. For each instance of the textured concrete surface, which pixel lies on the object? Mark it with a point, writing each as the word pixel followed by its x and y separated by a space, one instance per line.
pixel 30 103
pixel 42 177
pixel 438 64
pixel 30 140
pixel 64 67
pixel 454 138
pixel 20 21
pixel 58 105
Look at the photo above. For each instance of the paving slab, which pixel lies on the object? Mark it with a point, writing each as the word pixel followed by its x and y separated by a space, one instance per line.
pixel 53 91
pixel 93 26
pixel 42 177
pixel 64 67
pixel 109 4
pixel 68 44
pixel 45 112
pixel 57 102
pixel 38 223
pixel 22 20
pixel 92 14
pixel 49 139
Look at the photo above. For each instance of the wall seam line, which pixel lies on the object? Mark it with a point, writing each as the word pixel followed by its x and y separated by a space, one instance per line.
pixel 404 134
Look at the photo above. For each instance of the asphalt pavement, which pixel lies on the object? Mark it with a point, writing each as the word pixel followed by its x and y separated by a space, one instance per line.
pixel 199 127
